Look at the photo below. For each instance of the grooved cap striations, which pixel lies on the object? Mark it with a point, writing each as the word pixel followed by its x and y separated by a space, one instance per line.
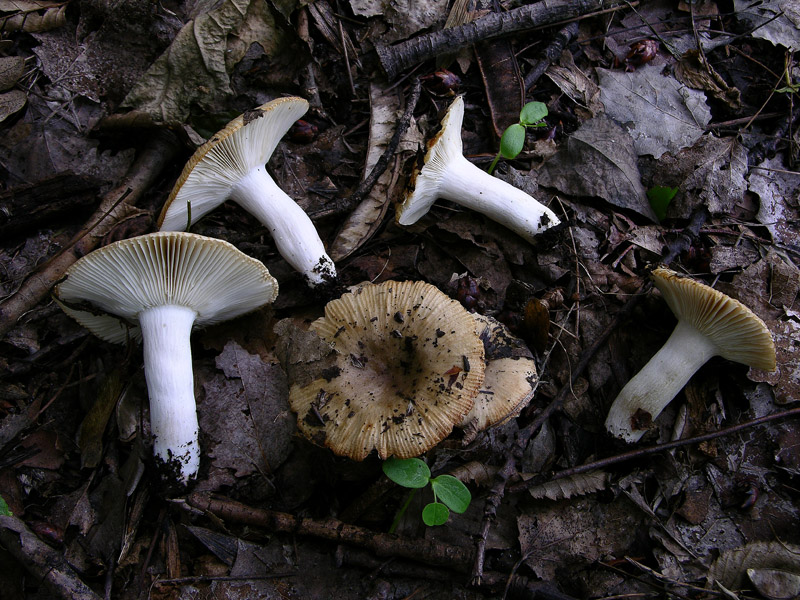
pixel 409 365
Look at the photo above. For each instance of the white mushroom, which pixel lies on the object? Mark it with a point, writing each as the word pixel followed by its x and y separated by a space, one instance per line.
pixel 231 166
pixel 157 287
pixel 709 324
pixel 447 174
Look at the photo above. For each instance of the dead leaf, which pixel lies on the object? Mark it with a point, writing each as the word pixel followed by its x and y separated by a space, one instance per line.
pixel 599 160
pixel 730 569
pixel 11 69
pixel 696 72
pixel 774 187
pixel 204 53
pixel 777 21
pixel 31 16
pixel 575 84
pixel 245 415
pixel 661 114
pixel 11 103
pixel 93 426
pixel 567 487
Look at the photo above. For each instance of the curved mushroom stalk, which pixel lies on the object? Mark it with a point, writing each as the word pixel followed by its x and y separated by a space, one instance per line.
pixel 166 332
pixel 447 174
pixel 292 231
pixel 659 381
pixel 709 324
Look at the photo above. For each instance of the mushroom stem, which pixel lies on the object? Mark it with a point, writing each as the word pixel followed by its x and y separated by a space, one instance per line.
pixel 473 188
pixel 294 234
pixel 660 380
pixel 170 385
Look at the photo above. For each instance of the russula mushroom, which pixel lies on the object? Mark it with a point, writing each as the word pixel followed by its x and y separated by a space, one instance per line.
pixel 709 324
pixel 231 166
pixel 509 379
pixel 447 174
pixel 157 287
pixel 409 364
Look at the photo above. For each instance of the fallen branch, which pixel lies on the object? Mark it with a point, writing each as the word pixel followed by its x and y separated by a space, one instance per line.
pixel 114 207
pixel 551 54
pixel 42 561
pixel 395 59
pixel 381 544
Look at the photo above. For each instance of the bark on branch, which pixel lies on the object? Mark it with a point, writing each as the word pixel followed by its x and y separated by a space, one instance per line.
pixel 397 58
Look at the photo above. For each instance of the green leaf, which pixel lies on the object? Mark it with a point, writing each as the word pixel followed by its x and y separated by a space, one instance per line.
pixel 512 141
pixel 408 472
pixel 4 510
pixel 532 113
pixel 452 492
pixel 660 197
pixel 435 513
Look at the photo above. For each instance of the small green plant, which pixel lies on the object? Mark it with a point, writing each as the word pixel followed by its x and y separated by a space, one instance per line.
pixel 513 138
pixel 4 510
pixel 660 197
pixel 448 492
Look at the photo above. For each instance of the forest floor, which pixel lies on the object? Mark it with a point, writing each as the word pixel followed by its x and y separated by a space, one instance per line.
pixel 671 136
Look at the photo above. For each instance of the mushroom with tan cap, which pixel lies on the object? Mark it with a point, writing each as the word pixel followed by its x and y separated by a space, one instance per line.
pixel 709 324
pixel 509 379
pixel 231 166
pixel 447 174
pixel 157 287
pixel 409 364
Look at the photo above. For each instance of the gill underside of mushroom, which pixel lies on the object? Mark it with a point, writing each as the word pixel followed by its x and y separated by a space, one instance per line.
pixel 170 386
pixel 659 381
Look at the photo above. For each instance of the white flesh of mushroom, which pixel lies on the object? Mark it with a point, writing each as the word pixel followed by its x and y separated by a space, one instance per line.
pixel 447 174
pixel 170 385
pixel 660 380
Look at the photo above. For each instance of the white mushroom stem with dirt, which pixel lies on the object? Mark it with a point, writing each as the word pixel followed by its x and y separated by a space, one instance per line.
pixel 448 175
pixel 709 324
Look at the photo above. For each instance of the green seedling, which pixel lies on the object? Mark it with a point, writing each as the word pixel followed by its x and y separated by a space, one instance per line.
pixel 513 138
pixel 4 510
pixel 660 197
pixel 448 492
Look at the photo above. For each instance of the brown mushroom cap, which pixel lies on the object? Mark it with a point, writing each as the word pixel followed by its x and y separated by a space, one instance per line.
pixel 409 366
pixel 735 330
pixel 509 380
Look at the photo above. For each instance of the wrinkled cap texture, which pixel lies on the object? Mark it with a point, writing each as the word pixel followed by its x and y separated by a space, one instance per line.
pixel 443 148
pixel 217 166
pixel 209 276
pixel 409 365
pixel 736 332
pixel 509 380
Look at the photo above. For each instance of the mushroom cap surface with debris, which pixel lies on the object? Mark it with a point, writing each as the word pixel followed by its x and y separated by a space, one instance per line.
pixel 509 379
pixel 209 276
pixel 737 332
pixel 409 365
pixel 217 167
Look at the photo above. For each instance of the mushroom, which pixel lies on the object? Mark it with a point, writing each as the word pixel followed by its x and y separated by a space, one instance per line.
pixel 509 379
pixel 157 287
pixel 709 324
pixel 231 166
pixel 408 365
pixel 447 174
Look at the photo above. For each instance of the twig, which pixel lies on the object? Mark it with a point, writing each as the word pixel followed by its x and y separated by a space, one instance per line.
pixel 42 561
pixel 395 59
pixel 640 452
pixel 364 188
pixel 114 207
pixel 551 54
pixel 382 544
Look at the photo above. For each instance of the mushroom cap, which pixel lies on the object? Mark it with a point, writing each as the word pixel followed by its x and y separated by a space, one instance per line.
pixel 409 365
pixel 209 276
pixel 443 148
pixel 217 166
pixel 736 332
pixel 509 379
